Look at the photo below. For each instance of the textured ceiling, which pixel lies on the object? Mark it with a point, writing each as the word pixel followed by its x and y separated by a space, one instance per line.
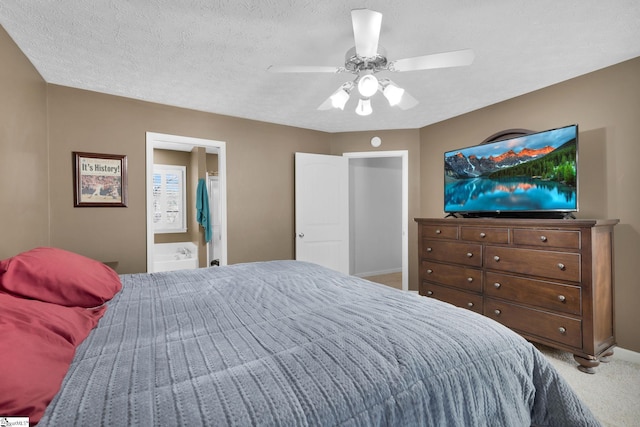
pixel 213 55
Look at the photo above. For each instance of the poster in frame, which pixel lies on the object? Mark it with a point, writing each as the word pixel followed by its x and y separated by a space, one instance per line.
pixel 99 180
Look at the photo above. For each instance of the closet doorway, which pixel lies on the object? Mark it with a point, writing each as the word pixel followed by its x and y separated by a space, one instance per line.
pixel 188 144
pixel 377 230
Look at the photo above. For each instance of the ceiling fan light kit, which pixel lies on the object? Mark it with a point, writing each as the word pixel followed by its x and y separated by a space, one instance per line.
pixel 368 58
pixel 364 107
pixel 339 98
pixel 392 92
pixel 368 85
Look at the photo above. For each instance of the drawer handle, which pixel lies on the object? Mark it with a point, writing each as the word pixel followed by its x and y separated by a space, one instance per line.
pixel 562 298
pixel 429 271
pixel 483 235
pixel 496 258
pixel 561 266
pixel 469 254
pixel 429 292
pixel 469 279
pixel 497 285
pixel 469 304
pixel 543 238
pixel 429 249
pixel 438 231
pixel 562 330
pixel 497 312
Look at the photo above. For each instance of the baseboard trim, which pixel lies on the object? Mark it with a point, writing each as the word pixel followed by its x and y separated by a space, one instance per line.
pixel 626 355
pixel 378 273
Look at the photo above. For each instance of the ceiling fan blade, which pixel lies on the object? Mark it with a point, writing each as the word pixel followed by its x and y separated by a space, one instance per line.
pixel 302 69
pixel 455 58
pixel 366 31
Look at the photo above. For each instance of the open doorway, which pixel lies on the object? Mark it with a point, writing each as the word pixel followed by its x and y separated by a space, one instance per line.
pixel 187 144
pixel 379 248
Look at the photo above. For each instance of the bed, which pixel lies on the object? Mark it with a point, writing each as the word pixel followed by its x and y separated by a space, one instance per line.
pixel 279 343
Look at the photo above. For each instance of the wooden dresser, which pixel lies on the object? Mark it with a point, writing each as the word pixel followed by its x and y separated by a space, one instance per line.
pixel 549 280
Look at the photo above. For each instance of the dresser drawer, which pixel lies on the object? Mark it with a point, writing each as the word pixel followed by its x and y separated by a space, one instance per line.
pixel 452 275
pixel 548 295
pixel 554 265
pixel 485 234
pixel 456 297
pixel 569 239
pixel 455 252
pixel 440 232
pixel 550 326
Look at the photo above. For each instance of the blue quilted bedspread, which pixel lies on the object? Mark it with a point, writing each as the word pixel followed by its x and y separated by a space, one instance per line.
pixel 287 343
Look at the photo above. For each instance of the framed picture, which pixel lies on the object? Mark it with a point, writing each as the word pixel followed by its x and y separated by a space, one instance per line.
pixel 99 180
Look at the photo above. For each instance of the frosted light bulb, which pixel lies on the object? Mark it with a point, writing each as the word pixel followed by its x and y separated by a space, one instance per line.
pixel 393 94
pixel 367 85
pixel 339 99
pixel 364 107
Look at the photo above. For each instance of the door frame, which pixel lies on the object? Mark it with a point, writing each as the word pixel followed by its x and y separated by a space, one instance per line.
pixel 184 143
pixel 210 244
pixel 404 155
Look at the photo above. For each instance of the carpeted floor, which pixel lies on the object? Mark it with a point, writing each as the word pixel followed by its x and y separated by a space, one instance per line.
pixel 612 393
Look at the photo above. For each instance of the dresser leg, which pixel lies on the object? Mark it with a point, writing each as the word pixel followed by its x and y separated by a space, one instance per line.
pixel 586 365
pixel 606 357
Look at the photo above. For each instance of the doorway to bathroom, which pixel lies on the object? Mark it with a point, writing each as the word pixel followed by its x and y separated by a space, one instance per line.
pixel 203 148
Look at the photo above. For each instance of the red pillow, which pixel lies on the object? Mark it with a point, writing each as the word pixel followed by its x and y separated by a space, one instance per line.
pixel 38 342
pixel 60 277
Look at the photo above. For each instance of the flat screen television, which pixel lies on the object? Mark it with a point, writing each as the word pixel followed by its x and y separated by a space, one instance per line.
pixel 532 175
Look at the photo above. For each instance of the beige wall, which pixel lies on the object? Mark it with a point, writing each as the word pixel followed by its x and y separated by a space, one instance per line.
pixel 24 168
pixel 606 106
pixel 259 175
pixel 212 164
pixel 392 140
pixel 42 124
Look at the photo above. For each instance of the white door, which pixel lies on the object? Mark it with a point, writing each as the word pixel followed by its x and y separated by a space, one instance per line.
pixel 322 210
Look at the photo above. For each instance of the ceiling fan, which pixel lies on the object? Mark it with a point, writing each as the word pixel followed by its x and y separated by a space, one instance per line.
pixel 368 58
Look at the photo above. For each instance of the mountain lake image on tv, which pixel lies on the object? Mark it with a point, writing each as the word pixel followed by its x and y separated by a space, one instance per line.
pixel 531 173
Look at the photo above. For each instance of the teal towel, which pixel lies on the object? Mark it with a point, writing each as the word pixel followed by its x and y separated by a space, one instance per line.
pixel 202 206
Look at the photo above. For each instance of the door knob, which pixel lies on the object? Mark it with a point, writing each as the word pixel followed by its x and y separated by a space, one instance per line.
pixel 300 234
